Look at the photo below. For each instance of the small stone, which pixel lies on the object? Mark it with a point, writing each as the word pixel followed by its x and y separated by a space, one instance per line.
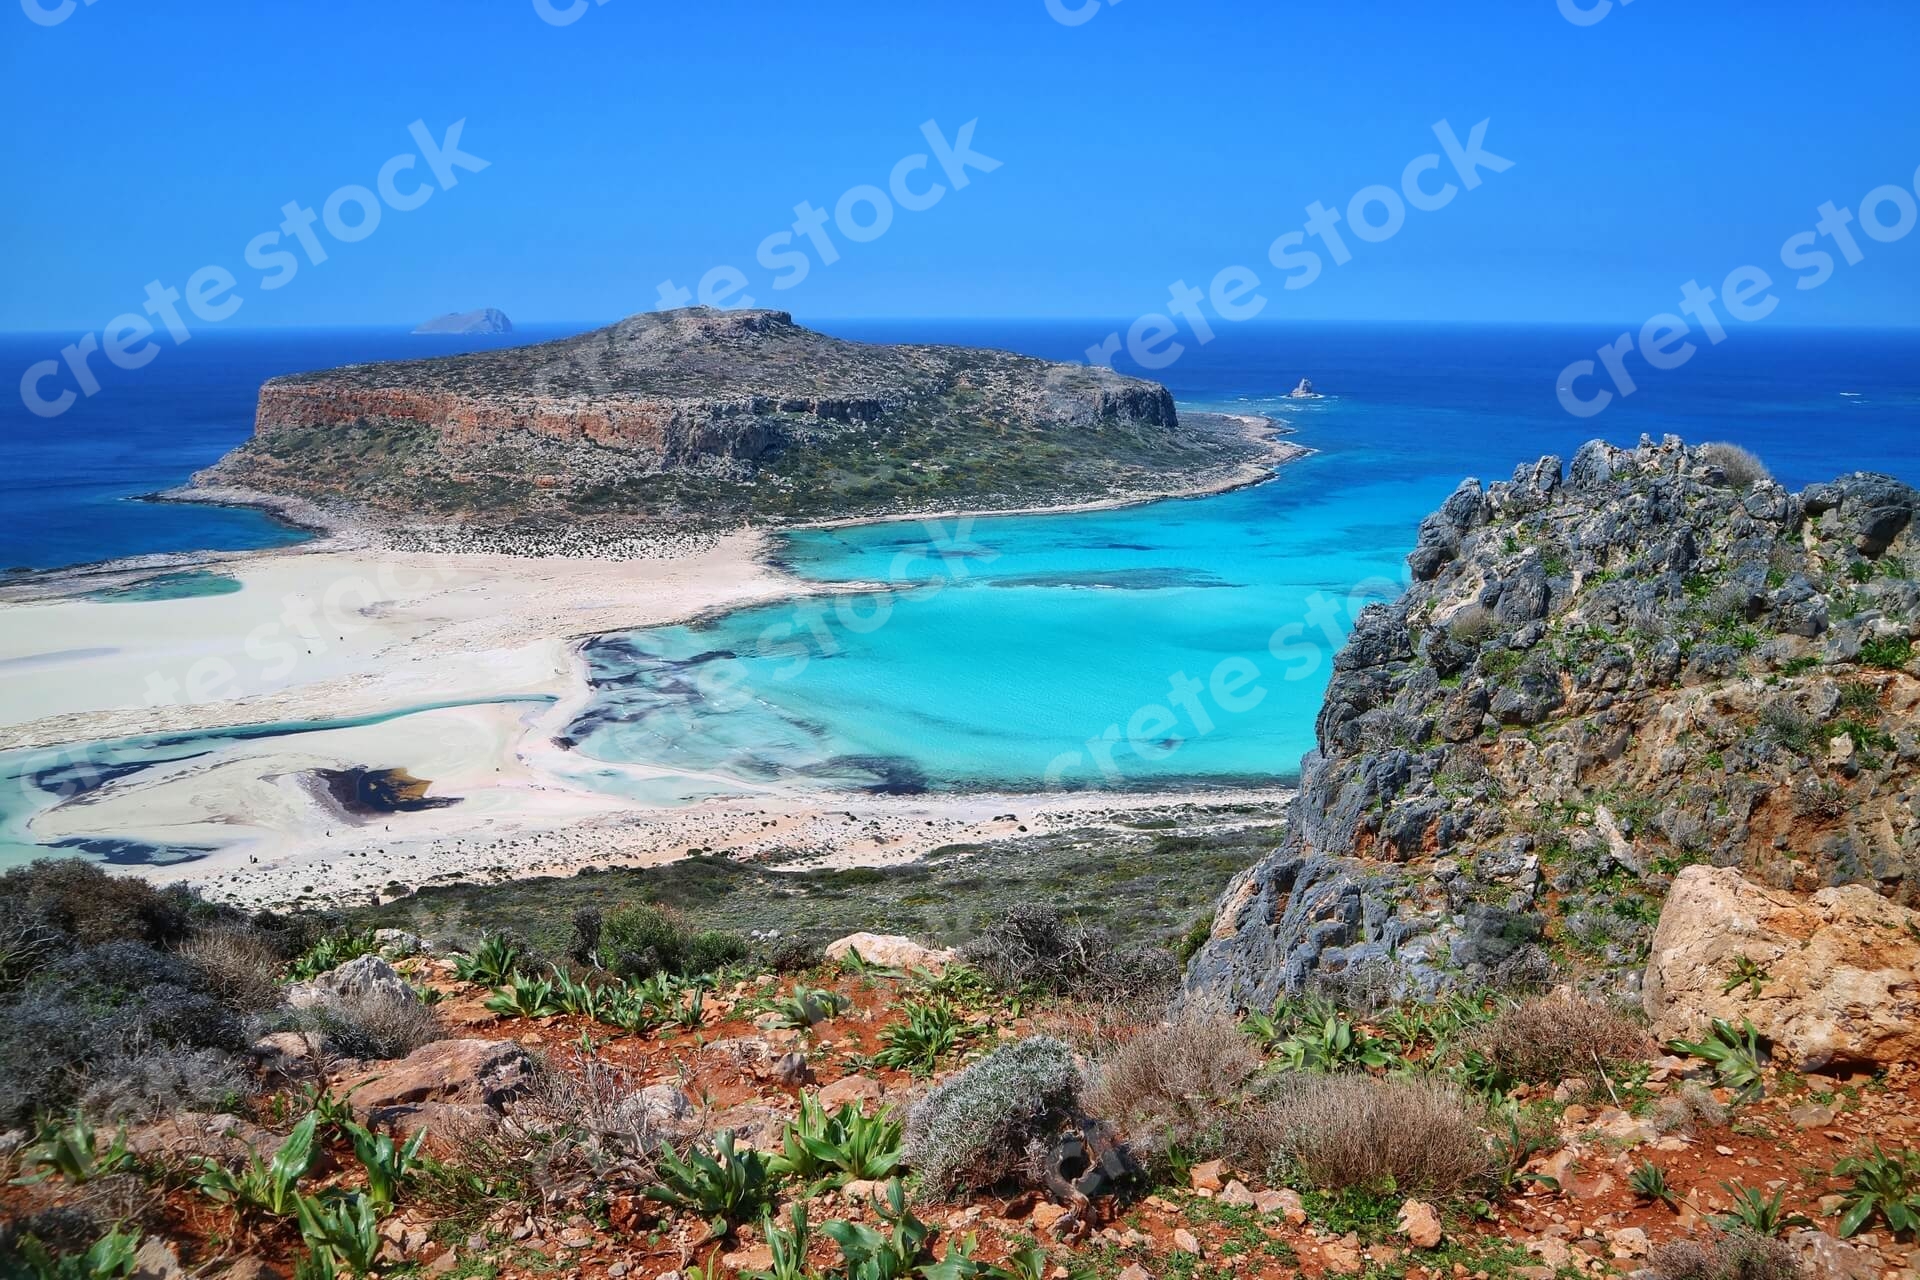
pixel 1046 1216
pixel 1420 1224
pixel 1341 1257
pixel 1207 1176
pixel 1811 1115
pixel 1134 1271
pixel 864 1090
pixel 1237 1195
pixel 1286 1202
pixel 1184 1241
pixel 1577 1114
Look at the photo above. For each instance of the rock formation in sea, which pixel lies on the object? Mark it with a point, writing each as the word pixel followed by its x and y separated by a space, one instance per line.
pixel 1602 675
pixel 1304 391
pixel 486 320
pixel 718 415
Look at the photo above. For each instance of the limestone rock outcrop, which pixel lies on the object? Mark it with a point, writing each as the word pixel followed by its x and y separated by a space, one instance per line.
pixel 1600 673
pixel 1836 975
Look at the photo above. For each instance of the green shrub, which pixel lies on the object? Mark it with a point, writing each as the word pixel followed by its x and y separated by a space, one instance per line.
pixel 639 940
pixel 1891 653
pixel 726 1188
pixel 1034 948
pixel 932 1030
pixel 972 1131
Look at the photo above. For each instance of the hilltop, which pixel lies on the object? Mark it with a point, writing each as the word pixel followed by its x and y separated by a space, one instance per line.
pixel 709 416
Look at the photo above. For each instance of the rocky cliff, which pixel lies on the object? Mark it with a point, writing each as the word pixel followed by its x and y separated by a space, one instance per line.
pixel 486 320
pixel 710 413
pixel 1600 675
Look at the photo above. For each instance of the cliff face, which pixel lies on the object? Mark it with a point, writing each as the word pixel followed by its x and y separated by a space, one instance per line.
pixel 711 413
pixel 1600 675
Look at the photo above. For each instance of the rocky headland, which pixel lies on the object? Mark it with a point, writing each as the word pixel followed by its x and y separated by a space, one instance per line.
pixel 1604 675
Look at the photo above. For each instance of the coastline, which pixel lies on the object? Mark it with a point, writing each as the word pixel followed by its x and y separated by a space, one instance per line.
pixel 404 633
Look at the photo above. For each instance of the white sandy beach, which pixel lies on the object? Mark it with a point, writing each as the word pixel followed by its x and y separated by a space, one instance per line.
pixel 473 663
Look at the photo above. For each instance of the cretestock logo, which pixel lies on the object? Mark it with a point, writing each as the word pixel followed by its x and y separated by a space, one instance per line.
pixel 1076 13
pixel 1587 15
pixel 51 15
pixel 350 214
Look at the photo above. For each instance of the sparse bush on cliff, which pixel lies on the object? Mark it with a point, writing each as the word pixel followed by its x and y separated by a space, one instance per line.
pixel 1742 469
pixel 158 1079
pixel 639 940
pixel 1341 1131
pixel 240 966
pixel 1734 1255
pixel 372 1024
pixel 78 899
pixel 1034 948
pixel 1175 1085
pixel 1546 1039
pixel 975 1129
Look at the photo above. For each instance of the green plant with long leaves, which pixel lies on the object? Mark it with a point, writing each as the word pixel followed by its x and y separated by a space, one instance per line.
pixel 787 1246
pixel 331 952
pixel 1515 1143
pixel 807 1007
pixel 1648 1182
pixel 1764 1215
pixel 492 963
pixel 727 1188
pixel 895 1254
pixel 1888 1185
pixel 1745 972
pixel 525 997
pixel 71 1152
pixel 387 1163
pixel 332 1112
pixel 268 1187
pixel 1736 1055
pixel 580 998
pixel 1329 1041
pixel 689 1013
pixel 108 1258
pixel 829 1149
pixel 932 1030
pixel 340 1230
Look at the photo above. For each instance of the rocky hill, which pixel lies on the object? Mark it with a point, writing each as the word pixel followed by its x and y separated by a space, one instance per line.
pixel 720 415
pixel 1601 675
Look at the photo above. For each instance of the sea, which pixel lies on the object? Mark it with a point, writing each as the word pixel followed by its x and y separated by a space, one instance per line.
pixel 1182 644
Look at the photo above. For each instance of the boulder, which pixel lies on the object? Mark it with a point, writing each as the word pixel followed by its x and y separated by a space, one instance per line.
pixel 484 1073
pixel 1420 1224
pixel 864 1091
pixel 1842 969
pixel 890 951
pixel 186 1134
pixel 366 977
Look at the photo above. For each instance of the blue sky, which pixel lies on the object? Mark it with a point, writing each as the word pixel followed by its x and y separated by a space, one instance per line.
pixel 1158 140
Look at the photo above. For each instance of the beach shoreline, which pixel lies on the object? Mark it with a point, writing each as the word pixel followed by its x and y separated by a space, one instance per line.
pixel 474 662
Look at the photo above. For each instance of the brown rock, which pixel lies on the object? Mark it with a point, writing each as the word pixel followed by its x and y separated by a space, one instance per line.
pixel 191 1134
pixel 864 1090
pixel 485 1073
pixel 1843 968
pixel 1420 1224
pixel 1185 1242
pixel 1824 1258
pixel 1134 1271
pixel 1286 1202
pixel 890 951
pixel 1237 1195
pixel 1341 1257
pixel 1046 1216
pixel 1206 1176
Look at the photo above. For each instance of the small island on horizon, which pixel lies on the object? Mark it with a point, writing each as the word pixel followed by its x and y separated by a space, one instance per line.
pixel 485 320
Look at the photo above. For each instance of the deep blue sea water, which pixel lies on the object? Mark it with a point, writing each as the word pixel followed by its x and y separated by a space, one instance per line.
pixel 1180 643
pixel 69 485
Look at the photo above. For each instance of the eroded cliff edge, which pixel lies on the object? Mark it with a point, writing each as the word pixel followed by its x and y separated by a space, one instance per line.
pixel 1600 675
pixel 702 414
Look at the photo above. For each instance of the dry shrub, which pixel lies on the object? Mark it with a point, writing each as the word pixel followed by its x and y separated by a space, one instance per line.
pixel 372 1024
pixel 975 1130
pixel 1736 1255
pixel 1690 1107
pixel 1551 1038
pixel 241 966
pixel 153 1080
pixel 1340 1131
pixel 1034 947
pixel 1742 469
pixel 1175 1084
